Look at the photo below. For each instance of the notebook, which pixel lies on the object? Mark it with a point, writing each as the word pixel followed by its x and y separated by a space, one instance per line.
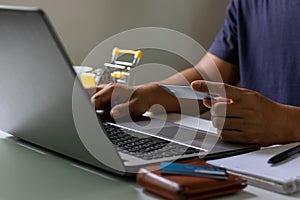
pixel 283 177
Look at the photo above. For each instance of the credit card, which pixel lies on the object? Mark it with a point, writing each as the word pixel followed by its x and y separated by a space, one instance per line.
pixel 193 170
pixel 186 92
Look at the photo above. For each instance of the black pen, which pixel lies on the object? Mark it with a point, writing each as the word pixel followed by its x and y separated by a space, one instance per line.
pixel 284 155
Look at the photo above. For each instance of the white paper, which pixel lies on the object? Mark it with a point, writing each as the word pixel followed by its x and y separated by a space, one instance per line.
pixel 255 164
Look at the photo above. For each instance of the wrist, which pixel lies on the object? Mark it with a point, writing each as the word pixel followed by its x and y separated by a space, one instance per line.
pixel 288 123
pixel 157 95
pixel 292 123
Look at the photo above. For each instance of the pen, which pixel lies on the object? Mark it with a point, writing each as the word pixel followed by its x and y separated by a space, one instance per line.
pixel 284 155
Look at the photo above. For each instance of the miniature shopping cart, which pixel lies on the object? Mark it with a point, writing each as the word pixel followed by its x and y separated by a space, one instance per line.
pixel 116 71
pixel 120 71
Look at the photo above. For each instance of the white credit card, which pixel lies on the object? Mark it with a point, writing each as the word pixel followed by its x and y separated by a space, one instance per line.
pixel 186 92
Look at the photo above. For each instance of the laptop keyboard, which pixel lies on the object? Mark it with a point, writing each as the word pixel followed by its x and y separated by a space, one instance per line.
pixel 143 146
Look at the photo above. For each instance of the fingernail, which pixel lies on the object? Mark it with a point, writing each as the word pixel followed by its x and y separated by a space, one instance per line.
pixel 115 113
pixel 197 84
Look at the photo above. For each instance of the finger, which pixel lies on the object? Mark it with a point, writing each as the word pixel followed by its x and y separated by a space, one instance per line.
pixel 209 103
pixel 119 111
pixel 238 136
pixel 227 123
pixel 125 109
pixel 91 90
pixel 215 88
pixel 230 135
pixel 103 96
pixel 94 89
pixel 105 107
pixel 221 109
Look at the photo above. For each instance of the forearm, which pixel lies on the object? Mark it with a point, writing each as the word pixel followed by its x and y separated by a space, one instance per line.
pixel 183 78
pixel 210 68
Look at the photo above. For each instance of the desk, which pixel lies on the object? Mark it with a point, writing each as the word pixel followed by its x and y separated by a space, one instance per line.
pixel 28 174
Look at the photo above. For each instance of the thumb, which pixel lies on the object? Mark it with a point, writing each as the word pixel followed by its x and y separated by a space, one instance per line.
pixel 120 110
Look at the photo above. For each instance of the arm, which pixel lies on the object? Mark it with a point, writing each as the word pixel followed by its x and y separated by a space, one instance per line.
pixel 141 98
pixel 210 68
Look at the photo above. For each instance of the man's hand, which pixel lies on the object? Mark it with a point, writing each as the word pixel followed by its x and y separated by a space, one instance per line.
pixel 244 115
pixel 126 100
pixel 121 99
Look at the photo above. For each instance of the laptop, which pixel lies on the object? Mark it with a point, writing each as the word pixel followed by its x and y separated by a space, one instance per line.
pixel 43 103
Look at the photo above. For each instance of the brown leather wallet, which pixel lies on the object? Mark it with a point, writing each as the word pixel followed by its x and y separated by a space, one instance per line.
pixel 178 187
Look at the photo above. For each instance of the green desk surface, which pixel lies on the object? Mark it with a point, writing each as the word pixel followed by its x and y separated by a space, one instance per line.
pixel 27 173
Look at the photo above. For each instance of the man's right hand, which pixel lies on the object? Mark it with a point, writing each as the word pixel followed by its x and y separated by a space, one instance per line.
pixel 124 100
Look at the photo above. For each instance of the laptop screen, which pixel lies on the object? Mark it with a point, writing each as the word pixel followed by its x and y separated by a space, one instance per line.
pixel 37 84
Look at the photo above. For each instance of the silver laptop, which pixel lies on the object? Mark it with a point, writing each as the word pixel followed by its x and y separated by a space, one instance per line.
pixel 43 102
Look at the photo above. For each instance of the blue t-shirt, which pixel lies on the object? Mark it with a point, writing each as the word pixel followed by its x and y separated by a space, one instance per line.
pixel 262 37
